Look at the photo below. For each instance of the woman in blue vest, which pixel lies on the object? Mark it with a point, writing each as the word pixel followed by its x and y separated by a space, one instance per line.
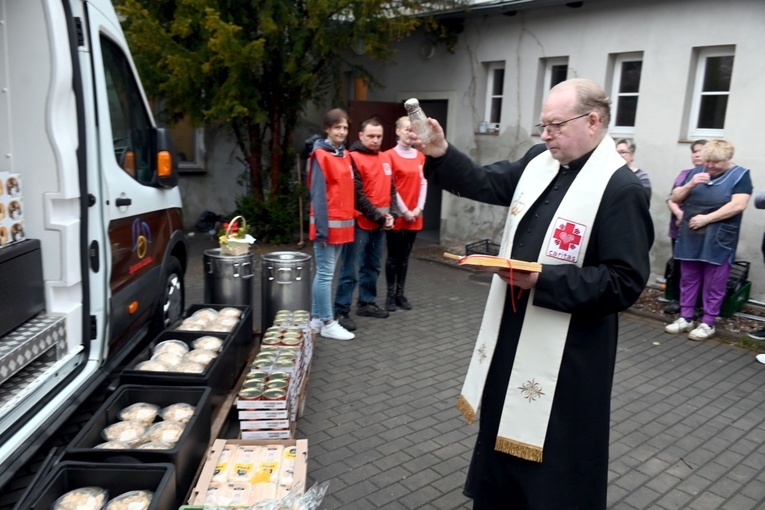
pixel 714 198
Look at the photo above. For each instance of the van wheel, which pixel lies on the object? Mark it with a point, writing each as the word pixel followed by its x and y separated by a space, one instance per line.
pixel 171 307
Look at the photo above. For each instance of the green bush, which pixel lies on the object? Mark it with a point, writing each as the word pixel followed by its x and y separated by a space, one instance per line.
pixel 274 220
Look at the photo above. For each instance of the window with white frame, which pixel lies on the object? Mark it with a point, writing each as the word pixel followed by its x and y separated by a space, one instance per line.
pixel 552 71
pixel 714 69
pixel 495 85
pixel 189 145
pixel 188 140
pixel 625 92
pixel 556 71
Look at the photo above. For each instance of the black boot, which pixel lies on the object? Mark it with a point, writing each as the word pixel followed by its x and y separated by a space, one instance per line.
pixel 403 302
pixel 400 281
pixel 390 300
pixel 390 282
pixel 390 303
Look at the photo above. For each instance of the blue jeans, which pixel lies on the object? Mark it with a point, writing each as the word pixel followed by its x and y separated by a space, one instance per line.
pixel 321 293
pixel 346 280
pixel 366 255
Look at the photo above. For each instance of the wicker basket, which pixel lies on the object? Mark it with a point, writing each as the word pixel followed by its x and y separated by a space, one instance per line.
pixel 234 245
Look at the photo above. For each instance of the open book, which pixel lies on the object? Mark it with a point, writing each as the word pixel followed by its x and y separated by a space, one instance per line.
pixel 492 263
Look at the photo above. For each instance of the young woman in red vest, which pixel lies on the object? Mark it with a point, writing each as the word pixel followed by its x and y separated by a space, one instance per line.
pixel 412 189
pixel 332 218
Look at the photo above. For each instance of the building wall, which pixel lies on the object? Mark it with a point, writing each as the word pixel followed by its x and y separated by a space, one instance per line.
pixel 665 31
pixel 215 185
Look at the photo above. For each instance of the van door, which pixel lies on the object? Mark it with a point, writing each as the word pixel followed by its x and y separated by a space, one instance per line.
pixel 141 214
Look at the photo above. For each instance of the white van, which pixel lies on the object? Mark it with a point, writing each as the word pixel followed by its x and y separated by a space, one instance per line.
pixel 93 252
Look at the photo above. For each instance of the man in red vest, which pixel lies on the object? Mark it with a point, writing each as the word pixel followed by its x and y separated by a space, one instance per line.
pixel 375 212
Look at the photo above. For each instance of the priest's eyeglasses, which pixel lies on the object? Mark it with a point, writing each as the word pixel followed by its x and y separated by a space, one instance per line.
pixel 554 128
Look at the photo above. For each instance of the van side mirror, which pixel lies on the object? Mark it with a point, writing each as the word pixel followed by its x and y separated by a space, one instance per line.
pixel 164 159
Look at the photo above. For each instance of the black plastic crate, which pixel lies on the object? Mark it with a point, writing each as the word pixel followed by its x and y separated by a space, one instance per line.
pixel 21 283
pixel 484 247
pixel 739 274
pixel 220 375
pixel 116 478
pixel 185 455
pixel 669 291
pixel 242 335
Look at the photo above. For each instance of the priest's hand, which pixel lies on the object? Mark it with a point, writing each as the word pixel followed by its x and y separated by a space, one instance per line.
pixel 519 279
pixel 437 147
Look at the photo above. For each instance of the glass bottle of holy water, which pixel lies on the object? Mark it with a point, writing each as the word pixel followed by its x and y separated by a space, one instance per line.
pixel 419 120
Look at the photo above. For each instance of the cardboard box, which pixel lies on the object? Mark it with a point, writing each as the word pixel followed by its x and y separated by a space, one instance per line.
pixel 264 424
pixel 213 454
pixel 261 404
pixel 11 211
pixel 269 434
pixel 273 414
pixel 292 390
pixel 264 366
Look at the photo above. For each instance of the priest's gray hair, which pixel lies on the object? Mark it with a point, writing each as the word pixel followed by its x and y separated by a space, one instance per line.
pixel 590 97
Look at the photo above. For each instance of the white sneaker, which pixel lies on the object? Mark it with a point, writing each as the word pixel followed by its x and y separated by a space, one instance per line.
pixel 679 326
pixel 703 332
pixel 316 324
pixel 335 331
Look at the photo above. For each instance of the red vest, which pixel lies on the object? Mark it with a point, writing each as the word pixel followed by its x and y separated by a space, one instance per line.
pixel 338 175
pixel 407 176
pixel 376 175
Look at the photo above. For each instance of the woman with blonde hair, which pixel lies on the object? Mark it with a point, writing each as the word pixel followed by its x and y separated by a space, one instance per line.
pixel 714 198
pixel 411 191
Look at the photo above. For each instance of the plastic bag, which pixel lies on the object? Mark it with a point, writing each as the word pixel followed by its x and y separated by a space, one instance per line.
pixel 294 500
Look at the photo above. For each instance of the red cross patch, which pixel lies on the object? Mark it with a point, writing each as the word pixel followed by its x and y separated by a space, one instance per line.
pixel 566 240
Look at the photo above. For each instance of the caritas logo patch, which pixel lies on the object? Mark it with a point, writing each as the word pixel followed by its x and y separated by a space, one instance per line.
pixel 566 241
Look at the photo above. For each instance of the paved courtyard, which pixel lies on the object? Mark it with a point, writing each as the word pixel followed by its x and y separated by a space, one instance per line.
pixel 687 422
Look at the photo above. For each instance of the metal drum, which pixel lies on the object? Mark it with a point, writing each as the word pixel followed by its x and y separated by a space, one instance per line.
pixel 286 284
pixel 228 278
